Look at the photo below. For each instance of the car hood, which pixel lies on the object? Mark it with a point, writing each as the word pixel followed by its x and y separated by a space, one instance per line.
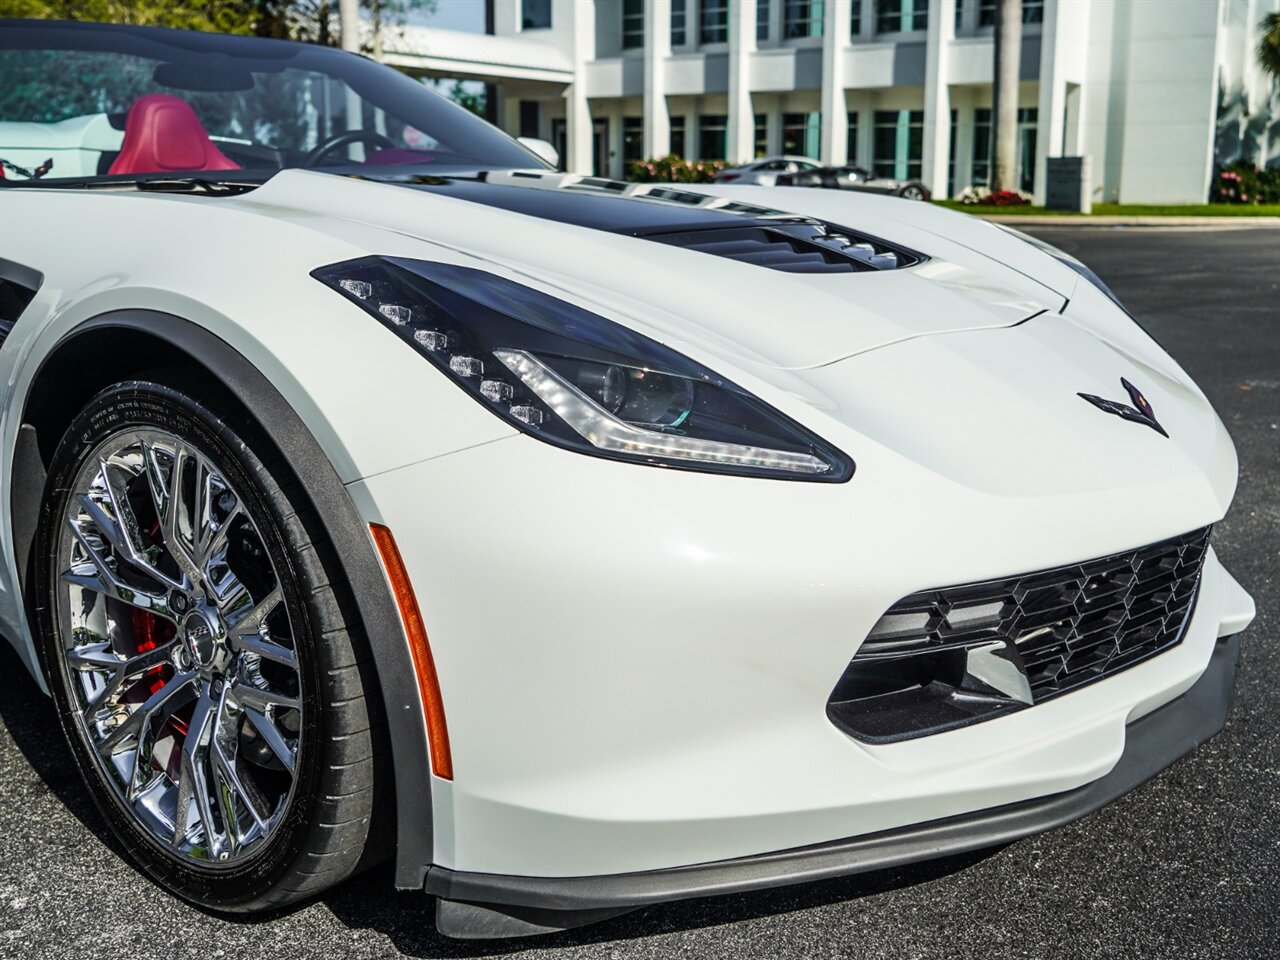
pixel 594 240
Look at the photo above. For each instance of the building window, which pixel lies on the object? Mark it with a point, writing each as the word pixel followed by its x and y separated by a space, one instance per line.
pixel 951 154
pixel 530 115
pixel 535 14
pixel 899 144
pixel 762 20
pixel 1032 12
pixel 713 137
pixel 715 21
pixel 855 18
pixel 851 144
pixel 677 136
pixel 901 16
pixel 801 133
pixel 632 24
pixel 679 15
pixel 802 18
pixel 981 172
pixel 983 147
pixel 1028 118
pixel 632 141
pixel 762 135
pixel 959 14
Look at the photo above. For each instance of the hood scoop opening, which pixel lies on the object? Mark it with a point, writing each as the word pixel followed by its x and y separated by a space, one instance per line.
pixel 805 246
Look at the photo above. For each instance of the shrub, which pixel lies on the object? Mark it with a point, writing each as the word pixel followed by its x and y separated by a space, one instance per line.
pixel 673 169
pixel 1245 183
pixel 1004 198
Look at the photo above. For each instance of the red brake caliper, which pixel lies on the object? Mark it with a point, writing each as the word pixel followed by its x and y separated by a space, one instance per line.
pixel 149 632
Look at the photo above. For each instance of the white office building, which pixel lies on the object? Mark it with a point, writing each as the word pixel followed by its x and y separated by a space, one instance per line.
pixel 1153 92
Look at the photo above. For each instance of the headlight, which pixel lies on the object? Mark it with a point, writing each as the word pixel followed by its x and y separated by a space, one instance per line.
pixel 577 380
pixel 1067 260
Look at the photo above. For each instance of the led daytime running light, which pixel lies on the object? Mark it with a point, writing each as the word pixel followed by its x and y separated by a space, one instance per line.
pixel 603 430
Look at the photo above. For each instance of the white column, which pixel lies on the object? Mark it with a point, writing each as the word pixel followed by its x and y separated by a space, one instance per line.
pixel 742 43
pixel 657 47
pixel 1051 101
pixel 937 96
pixel 962 100
pixel 577 106
pixel 860 102
pixel 835 121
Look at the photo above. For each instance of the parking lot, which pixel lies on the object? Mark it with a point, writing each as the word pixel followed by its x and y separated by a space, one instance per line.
pixel 1187 866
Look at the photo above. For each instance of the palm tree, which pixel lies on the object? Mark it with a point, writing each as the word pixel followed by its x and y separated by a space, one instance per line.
pixel 1269 45
pixel 1004 113
pixel 349 18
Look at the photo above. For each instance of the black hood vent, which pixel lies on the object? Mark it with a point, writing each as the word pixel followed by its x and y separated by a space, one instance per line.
pixel 695 221
pixel 794 246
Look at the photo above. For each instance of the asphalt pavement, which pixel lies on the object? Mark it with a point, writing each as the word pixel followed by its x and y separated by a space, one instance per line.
pixel 1187 866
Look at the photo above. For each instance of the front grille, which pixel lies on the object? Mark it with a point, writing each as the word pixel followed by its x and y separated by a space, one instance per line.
pixel 804 246
pixel 1059 629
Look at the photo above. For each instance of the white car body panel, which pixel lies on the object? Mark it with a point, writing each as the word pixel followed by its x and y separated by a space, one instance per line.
pixel 636 679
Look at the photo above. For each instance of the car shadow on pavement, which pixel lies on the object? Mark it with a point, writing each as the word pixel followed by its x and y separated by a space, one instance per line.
pixel 370 902
pixel 408 919
pixel 32 722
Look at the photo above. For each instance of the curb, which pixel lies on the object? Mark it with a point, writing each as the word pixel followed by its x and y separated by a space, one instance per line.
pixel 1182 223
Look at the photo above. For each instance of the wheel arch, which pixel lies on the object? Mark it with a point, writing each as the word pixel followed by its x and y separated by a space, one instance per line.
pixel 128 343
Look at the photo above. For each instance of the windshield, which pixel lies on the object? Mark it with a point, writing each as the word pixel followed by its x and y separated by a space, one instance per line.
pixel 100 101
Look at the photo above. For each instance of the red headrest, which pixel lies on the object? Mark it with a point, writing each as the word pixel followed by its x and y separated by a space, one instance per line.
pixel 162 134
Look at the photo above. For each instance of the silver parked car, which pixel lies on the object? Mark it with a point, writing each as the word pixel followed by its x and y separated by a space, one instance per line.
pixel 789 171
pixel 765 171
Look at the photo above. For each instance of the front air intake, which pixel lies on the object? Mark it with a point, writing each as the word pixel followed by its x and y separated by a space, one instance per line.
pixel 945 658
pixel 794 246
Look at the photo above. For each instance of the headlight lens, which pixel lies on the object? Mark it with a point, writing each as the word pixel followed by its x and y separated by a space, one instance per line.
pixel 577 380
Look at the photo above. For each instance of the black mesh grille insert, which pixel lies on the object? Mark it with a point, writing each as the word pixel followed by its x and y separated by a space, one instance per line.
pixel 927 664
pixel 804 246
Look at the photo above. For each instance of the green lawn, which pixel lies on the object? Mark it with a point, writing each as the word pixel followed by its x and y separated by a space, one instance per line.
pixel 1129 210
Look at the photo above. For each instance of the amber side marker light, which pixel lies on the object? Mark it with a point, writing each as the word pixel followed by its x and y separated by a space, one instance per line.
pixel 424 666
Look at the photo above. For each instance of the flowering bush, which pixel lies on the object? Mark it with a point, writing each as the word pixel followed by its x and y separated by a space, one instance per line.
pixel 673 169
pixel 996 198
pixel 1244 183
pixel 1004 198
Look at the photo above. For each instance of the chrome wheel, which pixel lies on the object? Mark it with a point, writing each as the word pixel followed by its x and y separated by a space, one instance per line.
pixel 178 651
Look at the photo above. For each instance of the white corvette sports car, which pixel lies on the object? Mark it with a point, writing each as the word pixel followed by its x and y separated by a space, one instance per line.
pixel 371 490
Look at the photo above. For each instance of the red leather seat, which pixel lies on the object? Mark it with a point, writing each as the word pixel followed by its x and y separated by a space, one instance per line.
pixel 162 134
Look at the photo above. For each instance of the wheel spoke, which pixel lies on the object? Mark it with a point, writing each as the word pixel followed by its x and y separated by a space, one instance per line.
pixel 195 764
pixel 230 788
pixel 100 657
pixel 238 790
pixel 231 596
pixel 122 526
pixel 255 698
pixel 249 632
pixel 271 735
pixel 136 724
pixel 266 649
pixel 166 495
pixel 96 574
pixel 251 622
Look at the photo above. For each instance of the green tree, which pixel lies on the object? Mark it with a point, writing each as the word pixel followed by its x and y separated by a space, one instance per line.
pixel 1269 45
pixel 470 98
pixel 312 21
pixel 222 16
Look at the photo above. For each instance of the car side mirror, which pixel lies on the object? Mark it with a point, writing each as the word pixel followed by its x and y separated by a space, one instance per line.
pixel 543 149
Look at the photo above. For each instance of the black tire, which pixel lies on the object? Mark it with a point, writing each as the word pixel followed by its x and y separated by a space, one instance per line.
pixel 912 191
pixel 323 830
